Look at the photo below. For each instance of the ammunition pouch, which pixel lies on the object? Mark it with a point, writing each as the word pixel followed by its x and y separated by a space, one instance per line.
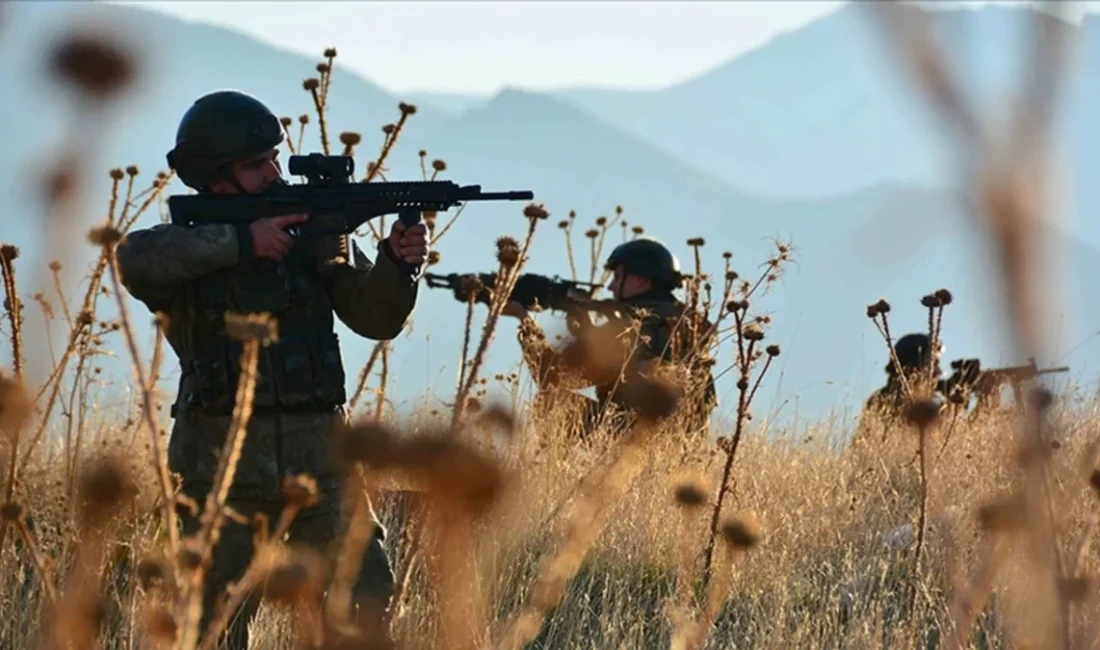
pixel 303 372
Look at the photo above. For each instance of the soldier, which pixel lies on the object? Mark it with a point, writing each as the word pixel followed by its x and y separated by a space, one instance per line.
pixel 227 143
pixel 645 274
pixel 914 355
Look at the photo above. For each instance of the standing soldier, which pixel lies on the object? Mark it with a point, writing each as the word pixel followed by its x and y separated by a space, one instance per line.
pixel 226 144
pixel 645 274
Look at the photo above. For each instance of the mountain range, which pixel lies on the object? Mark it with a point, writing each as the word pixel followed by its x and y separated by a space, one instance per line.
pixel 812 138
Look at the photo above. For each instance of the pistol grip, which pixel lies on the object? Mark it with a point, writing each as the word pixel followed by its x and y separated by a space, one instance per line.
pixel 409 217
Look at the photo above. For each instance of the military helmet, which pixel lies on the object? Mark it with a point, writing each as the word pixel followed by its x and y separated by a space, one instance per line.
pixel 913 351
pixel 648 258
pixel 221 127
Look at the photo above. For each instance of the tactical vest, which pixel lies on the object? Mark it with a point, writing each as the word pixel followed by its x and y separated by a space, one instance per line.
pixel 302 371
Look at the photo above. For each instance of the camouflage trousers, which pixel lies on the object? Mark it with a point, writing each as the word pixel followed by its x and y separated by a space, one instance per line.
pixel 319 527
pixel 274 448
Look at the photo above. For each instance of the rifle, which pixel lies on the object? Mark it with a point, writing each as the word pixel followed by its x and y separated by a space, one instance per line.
pixel 531 289
pixel 969 379
pixel 336 205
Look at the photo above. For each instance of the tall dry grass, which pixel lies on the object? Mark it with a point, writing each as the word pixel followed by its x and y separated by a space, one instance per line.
pixel 934 531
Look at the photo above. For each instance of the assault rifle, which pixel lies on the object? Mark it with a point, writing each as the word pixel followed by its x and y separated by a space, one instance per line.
pixel 336 205
pixel 530 289
pixel 969 379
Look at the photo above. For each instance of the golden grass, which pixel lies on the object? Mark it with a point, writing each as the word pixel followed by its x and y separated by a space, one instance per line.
pixel 506 532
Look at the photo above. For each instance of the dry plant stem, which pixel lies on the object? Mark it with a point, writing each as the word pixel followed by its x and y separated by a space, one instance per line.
pixel 375 168
pixel 447 226
pixel 255 572
pixel 15 315
pixel 588 519
pixel 149 407
pixel 465 345
pixel 922 523
pixel 506 284
pixel 61 297
pixel 463 616
pixel 349 558
pixel 569 249
pixel 38 559
pixel 969 600
pixel 383 378
pixel 364 374
pixel 321 122
pixel 214 509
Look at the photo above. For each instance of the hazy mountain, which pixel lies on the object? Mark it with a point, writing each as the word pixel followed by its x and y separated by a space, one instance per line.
pixel 889 240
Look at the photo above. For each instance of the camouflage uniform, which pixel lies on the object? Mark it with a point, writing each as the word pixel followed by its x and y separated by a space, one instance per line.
pixel 194 276
pixel 663 339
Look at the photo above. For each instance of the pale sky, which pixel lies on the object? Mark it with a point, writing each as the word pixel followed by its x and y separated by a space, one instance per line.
pixel 479 47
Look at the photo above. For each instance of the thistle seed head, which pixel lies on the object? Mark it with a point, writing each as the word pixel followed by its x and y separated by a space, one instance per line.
pixel 439 165
pixel 772 350
pixel 96 66
pixel 752 332
pixel 10 252
pixel 742 531
pixel 535 211
pixel 930 301
pixel 117 174
pixel 311 84
pixel 696 241
pixel 301 490
pixel 637 230
pixel 592 233
pixel 303 119
pixel 433 257
pixel 132 170
pixel 601 221
pixel 407 109
pixel 330 52
pixel 507 251
pixel 104 235
pixel 944 296
pixel 388 129
pixel 350 138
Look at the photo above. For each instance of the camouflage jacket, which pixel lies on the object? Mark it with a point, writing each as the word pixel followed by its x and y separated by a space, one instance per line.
pixel 654 333
pixel 194 275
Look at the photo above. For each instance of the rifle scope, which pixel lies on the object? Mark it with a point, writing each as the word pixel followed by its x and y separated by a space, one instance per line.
pixel 319 168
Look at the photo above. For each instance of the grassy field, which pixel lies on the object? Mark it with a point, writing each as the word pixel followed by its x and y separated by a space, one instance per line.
pixel 933 530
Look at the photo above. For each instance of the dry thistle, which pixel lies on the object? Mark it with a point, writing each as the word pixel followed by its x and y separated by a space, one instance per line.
pixel 311 84
pixel 535 211
pixel 303 119
pixel 132 170
pixel 753 332
pixel 330 52
pixel 350 138
pixel 286 121
pixel 439 165
pixel 434 257
pixel 406 109
pixel 104 488
pixel 690 493
pixel 117 174
pixel 772 350
pixel 323 68
pixel 944 297
pixel 637 230
pixel 95 65
pixel 930 301
pixel 104 236
pixel 696 241
pixel 301 490
pixel 601 221
pixel 742 531
pixel 563 224
pixel 507 251
pixel 388 129
pixel 922 413
pixel 592 233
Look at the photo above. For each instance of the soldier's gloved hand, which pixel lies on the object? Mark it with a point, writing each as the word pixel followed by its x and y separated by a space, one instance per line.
pixel 268 238
pixel 409 244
